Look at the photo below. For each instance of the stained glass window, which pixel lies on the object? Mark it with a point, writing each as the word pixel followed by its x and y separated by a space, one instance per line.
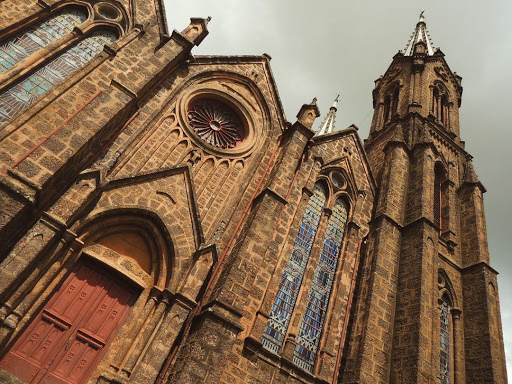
pixel 24 93
pixel 281 312
pixel 445 342
pixel 215 123
pixel 39 36
pixel 313 321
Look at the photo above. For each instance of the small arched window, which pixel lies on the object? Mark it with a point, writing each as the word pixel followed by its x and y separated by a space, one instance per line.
pixel 311 326
pixel 444 118
pixel 25 43
pixel 391 103
pixel 440 105
pixel 30 88
pixel 445 338
pixel 291 280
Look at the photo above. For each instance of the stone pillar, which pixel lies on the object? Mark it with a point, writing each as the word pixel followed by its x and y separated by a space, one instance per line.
pixel 483 336
pixel 473 235
pixel 370 355
pixel 459 362
pixel 412 342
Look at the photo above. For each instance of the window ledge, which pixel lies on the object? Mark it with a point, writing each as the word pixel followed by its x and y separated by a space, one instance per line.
pixel 256 349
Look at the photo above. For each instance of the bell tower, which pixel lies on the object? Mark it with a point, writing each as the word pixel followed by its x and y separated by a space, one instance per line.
pixel 427 307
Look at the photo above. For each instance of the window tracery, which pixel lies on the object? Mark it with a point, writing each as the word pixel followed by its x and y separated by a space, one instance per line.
pixel 445 337
pixel 26 91
pixel 310 331
pixel 291 280
pixel 440 107
pixel 215 123
pixel 22 45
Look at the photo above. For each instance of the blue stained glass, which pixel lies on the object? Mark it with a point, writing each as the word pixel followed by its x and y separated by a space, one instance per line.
pixel 28 90
pixel 445 342
pixel 280 314
pixel 312 323
pixel 39 36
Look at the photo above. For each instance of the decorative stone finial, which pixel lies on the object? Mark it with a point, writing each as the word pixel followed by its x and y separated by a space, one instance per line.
pixel 308 113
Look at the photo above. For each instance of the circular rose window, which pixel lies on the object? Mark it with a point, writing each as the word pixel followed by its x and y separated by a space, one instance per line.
pixel 216 123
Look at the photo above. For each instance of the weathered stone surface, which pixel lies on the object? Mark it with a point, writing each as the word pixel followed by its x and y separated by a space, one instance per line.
pixel 112 170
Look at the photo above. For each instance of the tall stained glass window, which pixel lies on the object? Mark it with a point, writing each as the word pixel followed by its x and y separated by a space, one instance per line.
pixel 313 321
pixel 24 93
pixel 445 341
pixel 39 36
pixel 282 309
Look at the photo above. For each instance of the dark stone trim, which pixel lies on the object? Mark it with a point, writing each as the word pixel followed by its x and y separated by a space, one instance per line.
pixel 481 265
pixel 223 312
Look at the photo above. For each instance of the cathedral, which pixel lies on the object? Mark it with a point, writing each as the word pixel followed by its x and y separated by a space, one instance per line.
pixel 162 222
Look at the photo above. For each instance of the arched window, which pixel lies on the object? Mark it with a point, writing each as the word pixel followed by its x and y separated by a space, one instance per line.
pixel 444 118
pixel 439 195
pixel 391 103
pixel 26 91
pixel 445 337
pixel 282 308
pixel 313 320
pixel 440 104
pixel 22 45
pixel 387 108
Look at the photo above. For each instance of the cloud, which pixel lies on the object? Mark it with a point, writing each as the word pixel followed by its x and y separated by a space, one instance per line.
pixel 325 47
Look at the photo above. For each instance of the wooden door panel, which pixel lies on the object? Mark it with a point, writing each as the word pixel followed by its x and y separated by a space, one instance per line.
pixel 68 338
pixel 75 297
pixel 106 315
pixel 94 332
pixel 35 346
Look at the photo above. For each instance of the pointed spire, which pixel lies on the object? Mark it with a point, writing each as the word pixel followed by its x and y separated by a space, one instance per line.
pixel 327 125
pixel 420 34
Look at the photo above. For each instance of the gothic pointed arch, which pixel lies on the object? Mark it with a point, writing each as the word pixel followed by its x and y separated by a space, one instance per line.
pixel 313 321
pixel 36 60
pixel 448 305
pixel 140 241
pixel 391 100
pixel 291 280
pixel 440 103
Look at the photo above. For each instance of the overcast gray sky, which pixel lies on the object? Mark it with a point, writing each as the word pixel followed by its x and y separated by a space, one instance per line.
pixel 324 47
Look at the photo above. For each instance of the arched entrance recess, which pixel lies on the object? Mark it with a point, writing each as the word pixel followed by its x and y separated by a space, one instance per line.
pixel 71 333
pixel 125 255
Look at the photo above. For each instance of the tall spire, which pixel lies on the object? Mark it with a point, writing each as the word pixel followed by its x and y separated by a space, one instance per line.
pixel 419 34
pixel 327 125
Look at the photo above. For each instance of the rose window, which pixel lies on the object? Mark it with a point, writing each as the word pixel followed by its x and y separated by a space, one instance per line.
pixel 215 123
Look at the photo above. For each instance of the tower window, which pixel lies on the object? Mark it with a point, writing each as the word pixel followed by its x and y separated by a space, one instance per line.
pixel 445 337
pixel 440 105
pixel 391 104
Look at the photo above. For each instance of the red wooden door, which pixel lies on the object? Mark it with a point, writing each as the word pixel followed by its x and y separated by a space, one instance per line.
pixel 67 339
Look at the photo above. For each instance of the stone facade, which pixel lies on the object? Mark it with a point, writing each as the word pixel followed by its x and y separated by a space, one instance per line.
pixel 172 192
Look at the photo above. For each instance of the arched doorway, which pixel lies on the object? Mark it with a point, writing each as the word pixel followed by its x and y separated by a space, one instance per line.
pixel 68 337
